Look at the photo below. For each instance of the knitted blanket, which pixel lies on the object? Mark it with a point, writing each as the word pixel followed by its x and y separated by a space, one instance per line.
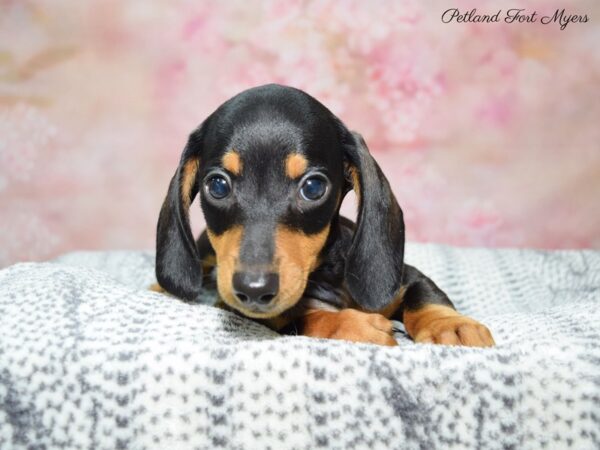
pixel 89 358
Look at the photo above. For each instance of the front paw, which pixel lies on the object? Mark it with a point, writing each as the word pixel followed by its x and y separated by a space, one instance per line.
pixel 349 325
pixel 436 324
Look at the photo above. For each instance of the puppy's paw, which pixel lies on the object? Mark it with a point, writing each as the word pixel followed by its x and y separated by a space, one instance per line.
pixel 435 324
pixel 349 325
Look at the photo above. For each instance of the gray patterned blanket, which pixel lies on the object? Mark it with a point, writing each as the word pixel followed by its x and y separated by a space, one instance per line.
pixel 91 359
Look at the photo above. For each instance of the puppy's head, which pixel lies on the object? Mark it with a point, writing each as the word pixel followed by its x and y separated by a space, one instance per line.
pixel 271 166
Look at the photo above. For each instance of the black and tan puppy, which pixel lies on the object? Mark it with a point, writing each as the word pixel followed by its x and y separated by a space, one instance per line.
pixel 272 166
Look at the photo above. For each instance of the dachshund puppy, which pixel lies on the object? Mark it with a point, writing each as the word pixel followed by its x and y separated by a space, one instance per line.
pixel 272 166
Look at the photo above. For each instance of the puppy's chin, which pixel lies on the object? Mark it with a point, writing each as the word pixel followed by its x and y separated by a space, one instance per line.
pixel 255 314
pixel 268 312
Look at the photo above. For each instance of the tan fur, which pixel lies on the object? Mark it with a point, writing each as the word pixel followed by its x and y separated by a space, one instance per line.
pixel 355 182
pixel 295 165
pixel 443 325
pixel 208 262
pixel 232 162
pixel 227 249
pixel 155 287
pixel 348 325
pixel 392 307
pixel 296 255
pixel 190 169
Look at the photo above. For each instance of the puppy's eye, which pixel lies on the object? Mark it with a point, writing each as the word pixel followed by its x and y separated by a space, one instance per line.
pixel 218 187
pixel 313 188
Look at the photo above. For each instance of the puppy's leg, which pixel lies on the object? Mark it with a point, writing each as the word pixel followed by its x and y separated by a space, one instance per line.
pixel 349 325
pixel 429 316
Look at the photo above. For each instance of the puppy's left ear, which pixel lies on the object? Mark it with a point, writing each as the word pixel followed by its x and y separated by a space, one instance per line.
pixel 374 263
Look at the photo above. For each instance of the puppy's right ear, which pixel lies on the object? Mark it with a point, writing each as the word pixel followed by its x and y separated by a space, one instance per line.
pixel 178 264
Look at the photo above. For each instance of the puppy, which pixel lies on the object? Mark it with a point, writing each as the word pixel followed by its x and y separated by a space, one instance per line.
pixel 272 166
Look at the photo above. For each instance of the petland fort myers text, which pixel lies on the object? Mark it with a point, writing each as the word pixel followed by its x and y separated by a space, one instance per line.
pixel 560 17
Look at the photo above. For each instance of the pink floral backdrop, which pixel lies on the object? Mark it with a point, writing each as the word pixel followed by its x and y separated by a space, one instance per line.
pixel 489 133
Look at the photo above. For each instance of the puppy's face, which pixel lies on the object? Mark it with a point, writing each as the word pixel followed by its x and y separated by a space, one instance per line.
pixel 271 166
pixel 270 183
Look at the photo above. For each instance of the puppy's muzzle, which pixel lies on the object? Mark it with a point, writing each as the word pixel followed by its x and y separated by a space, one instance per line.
pixel 256 290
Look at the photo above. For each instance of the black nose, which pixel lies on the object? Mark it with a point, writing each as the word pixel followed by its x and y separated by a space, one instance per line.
pixel 255 287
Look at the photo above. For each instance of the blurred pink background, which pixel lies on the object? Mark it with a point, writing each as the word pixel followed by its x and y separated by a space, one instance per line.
pixel 489 133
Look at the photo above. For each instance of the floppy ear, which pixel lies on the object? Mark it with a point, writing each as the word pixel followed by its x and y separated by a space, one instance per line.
pixel 178 263
pixel 374 262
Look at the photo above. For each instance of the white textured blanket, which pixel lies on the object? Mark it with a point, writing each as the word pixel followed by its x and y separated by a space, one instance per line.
pixel 91 359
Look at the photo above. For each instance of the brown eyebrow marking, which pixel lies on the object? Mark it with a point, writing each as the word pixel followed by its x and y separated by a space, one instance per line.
pixel 295 165
pixel 232 162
